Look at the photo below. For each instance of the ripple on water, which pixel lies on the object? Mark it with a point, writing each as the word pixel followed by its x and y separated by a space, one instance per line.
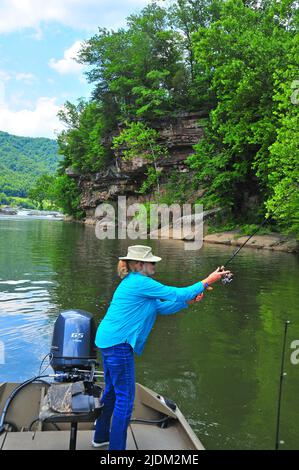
pixel 15 283
pixel 217 360
pixel 24 325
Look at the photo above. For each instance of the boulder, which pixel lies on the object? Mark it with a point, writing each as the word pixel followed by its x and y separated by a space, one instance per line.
pixel 7 210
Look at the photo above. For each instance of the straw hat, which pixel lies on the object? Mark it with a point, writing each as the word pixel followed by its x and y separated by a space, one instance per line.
pixel 141 253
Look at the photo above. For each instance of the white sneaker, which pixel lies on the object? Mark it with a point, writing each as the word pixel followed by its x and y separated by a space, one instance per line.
pixel 99 444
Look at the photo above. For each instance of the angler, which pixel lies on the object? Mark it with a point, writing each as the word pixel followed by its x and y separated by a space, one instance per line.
pixel 129 319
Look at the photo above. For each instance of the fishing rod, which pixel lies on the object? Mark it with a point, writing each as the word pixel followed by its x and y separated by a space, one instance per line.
pixel 282 375
pixel 229 277
pixel 240 247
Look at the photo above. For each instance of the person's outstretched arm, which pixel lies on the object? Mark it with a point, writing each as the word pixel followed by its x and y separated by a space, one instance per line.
pixel 153 289
pixel 148 287
pixel 168 307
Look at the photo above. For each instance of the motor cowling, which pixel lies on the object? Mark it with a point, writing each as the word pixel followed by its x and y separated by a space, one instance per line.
pixel 73 344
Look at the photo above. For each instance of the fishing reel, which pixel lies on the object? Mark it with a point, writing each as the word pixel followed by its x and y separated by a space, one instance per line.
pixel 227 279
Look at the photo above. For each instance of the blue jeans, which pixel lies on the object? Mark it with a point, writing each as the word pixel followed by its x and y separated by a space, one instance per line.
pixel 118 396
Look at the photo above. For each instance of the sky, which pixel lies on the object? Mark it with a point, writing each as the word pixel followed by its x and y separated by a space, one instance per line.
pixel 38 42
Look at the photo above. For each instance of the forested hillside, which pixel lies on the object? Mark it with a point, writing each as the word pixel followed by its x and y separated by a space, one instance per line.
pixel 23 160
pixel 235 59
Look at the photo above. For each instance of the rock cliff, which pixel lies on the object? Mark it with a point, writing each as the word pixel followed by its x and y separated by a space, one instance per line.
pixel 125 177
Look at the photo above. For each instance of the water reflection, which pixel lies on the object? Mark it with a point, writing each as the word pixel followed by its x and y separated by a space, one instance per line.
pixel 219 360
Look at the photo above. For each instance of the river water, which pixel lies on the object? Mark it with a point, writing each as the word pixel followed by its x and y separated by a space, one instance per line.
pixel 219 360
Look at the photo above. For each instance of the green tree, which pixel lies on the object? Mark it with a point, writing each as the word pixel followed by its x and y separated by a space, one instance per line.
pixel 23 160
pixel 238 54
pixel 235 61
pixel 137 139
pixel 283 174
pixel 81 144
pixel 187 16
pixel 67 196
pixel 133 67
pixel 42 190
pixel 3 199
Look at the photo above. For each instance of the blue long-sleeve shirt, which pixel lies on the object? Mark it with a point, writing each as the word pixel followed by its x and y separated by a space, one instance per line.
pixel 134 308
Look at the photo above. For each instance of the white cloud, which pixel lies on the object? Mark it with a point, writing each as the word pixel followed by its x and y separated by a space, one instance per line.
pixel 4 76
pixel 17 100
pixel 41 121
pixel 27 78
pixel 68 63
pixel 83 14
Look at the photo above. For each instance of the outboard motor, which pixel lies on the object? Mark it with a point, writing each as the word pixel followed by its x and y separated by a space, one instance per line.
pixel 76 398
pixel 73 345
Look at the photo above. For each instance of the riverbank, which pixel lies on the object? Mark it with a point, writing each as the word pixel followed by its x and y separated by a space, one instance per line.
pixel 273 241
pixel 9 211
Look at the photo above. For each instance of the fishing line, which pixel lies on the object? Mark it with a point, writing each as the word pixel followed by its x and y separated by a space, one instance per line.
pixel 229 277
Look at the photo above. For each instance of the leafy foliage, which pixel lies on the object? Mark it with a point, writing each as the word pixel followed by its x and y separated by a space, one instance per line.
pixel 81 144
pixel 23 160
pixel 239 55
pixel 138 139
pixel 66 196
pixel 42 190
pixel 283 177
pixel 138 70
pixel 238 61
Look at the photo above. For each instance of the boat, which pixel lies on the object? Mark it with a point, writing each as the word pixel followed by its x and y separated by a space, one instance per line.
pixel 58 411
pixel 154 425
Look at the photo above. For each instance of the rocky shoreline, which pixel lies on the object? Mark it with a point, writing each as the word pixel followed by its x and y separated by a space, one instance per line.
pixel 19 211
pixel 273 241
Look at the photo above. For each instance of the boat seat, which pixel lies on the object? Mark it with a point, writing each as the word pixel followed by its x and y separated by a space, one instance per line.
pixel 70 403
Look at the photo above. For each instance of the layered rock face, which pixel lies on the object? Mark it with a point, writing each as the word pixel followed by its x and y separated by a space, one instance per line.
pixel 124 178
